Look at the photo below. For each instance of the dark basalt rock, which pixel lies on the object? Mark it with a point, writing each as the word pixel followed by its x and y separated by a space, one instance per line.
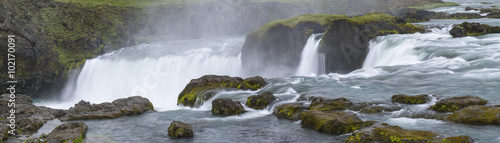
pixel 470 8
pixel 409 99
pixel 260 101
pixel 207 86
pixel 68 132
pixel 386 133
pixel 472 29
pixel 289 111
pixel 332 122
pixel 421 15
pixel 324 104
pixel 456 103
pixel 227 107
pixel 345 42
pixel 465 16
pixel 180 130
pixel 29 118
pixel 477 115
pixel 121 107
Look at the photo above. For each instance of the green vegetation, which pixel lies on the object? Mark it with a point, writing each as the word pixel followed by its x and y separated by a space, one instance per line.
pixel 321 19
pixel 370 17
pixel 435 5
pixel 416 99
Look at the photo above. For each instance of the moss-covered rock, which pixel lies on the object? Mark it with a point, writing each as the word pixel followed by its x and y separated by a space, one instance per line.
pixel 410 99
pixel 386 133
pixel 464 16
pixel 370 108
pixel 456 103
pixel 130 106
pixel 68 132
pixel 458 139
pixel 4 131
pixel 180 130
pixel 197 91
pixel 261 100
pixel 227 107
pixel 470 8
pixel 289 111
pixel 495 14
pixel 488 10
pixel 324 104
pixel 472 29
pixel 345 42
pixel 477 115
pixel 331 122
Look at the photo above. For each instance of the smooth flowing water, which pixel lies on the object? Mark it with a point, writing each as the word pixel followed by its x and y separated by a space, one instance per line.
pixel 429 63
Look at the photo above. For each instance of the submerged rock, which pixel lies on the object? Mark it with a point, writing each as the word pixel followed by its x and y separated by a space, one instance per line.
pixel 289 111
pixel 260 101
pixel 477 115
pixel 410 99
pixel 120 107
pixel 331 122
pixel 456 103
pixel 180 130
pixel 472 29
pixel 324 104
pixel 227 107
pixel 199 90
pixel 386 133
pixel 68 132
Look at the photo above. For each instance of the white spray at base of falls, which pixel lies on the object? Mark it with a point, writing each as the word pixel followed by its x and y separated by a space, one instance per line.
pixel 311 61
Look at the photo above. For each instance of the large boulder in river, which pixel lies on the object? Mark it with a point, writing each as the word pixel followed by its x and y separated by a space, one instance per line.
pixel 477 115
pixel 325 104
pixel 278 45
pixel 386 133
pixel 180 130
pixel 456 103
pixel 260 101
pixel 199 90
pixel 370 108
pixel 29 118
pixel 409 99
pixel 345 42
pixel 68 132
pixel 227 107
pixel 332 122
pixel 289 111
pixel 472 29
pixel 120 107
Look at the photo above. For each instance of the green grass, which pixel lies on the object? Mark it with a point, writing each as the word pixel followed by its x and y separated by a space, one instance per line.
pixel 370 17
pixel 435 5
pixel 136 3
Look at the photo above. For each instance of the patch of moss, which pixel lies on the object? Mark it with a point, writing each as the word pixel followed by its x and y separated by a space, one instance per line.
pixel 322 19
pixel 477 115
pixel 371 17
pixel 398 135
pixel 406 99
pixel 435 5
pixel 79 139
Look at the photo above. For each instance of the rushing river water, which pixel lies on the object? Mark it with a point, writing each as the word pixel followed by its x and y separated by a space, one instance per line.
pixel 430 63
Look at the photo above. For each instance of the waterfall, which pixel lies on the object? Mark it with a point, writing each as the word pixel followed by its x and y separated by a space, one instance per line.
pixel 158 72
pixel 311 61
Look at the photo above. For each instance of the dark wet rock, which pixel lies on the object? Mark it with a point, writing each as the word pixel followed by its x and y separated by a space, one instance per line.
pixel 410 99
pixel 458 139
pixel 33 140
pixel 68 132
pixel 325 104
pixel 227 107
pixel 130 106
pixel 486 3
pixel 370 108
pixel 495 14
pixel 199 90
pixel 472 29
pixel 386 133
pixel 477 115
pixel 4 131
pixel 332 122
pixel 180 130
pixel 488 10
pixel 470 8
pixel 261 100
pixel 302 97
pixel 289 111
pixel 464 16
pixel 29 118
pixel 421 15
pixel 456 103
pixel 345 42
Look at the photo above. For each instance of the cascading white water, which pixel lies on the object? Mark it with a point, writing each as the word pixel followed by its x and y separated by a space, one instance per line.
pixel 311 61
pixel 156 72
